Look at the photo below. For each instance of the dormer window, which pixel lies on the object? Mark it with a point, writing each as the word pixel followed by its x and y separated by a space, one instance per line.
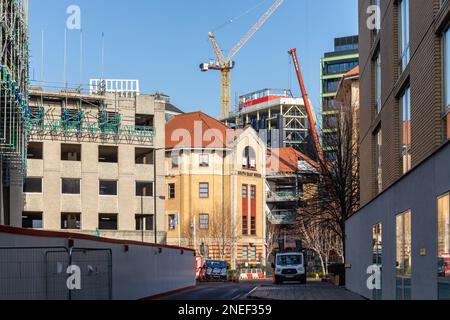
pixel 249 159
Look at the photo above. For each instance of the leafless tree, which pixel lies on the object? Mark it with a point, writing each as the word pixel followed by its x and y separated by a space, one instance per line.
pixel 321 221
pixel 273 233
pixel 219 236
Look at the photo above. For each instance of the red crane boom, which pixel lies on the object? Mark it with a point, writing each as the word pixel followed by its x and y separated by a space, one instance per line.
pixel 312 122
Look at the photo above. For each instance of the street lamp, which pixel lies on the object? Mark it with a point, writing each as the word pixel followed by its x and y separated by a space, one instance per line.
pixel 155 192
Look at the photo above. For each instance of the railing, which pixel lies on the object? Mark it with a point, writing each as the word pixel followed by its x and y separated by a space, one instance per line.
pixel 281 217
pixel 283 196
pixel 93 130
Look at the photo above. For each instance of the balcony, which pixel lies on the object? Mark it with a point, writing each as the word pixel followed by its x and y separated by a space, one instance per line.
pixel 284 196
pixel 279 217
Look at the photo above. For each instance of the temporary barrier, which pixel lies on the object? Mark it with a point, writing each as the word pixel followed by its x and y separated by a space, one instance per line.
pixel 252 274
pixel 37 265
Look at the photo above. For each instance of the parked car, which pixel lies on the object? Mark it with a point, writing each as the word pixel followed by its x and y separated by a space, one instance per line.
pixel 214 270
pixel 289 267
pixel 444 265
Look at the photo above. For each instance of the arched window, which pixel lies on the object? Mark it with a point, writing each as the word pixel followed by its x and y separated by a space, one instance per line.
pixel 249 158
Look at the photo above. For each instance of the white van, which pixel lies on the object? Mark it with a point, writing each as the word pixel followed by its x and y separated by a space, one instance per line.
pixel 289 267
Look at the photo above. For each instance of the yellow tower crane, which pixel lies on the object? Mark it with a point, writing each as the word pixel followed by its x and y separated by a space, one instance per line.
pixel 225 65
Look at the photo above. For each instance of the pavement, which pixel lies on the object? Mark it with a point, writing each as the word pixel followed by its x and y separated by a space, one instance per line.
pixel 264 290
pixel 313 290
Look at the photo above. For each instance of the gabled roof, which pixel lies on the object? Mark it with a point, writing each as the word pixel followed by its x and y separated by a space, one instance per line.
pixel 353 72
pixel 171 108
pixel 195 130
pixel 286 160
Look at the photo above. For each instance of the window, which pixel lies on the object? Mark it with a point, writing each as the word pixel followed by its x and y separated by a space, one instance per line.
pixel 249 158
pixel 171 191
pixel 204 221
pixel 446 61
pixel 173 221
pixel 253 226
pixel 204 190
pixel 245 225
pixel 444 247
pixel 377 234
pixel 108 154
pixel 143 156
pixel 107 221
pixel 108 188
pixel 144 189
pixel 204 160
pixel 244 191
pixel 378 160
pixel 70 221
pixel 244 254
pixel 378 82
pixel 253 192
pixel 405 104
pixel 143 120
pixel 35 150
pixel 331 86
pixel 32 185
pixel 70 186
pixel 175 161
pixel 404 34
pixel 403 235
pixel 70 152
pixel 144 222
pixel 204 250
pixel 339 68
pixel 32 220
pixel 253 253
pixel 377 253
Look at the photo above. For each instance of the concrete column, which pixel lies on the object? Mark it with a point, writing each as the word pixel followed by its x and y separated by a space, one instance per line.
pixel 16 198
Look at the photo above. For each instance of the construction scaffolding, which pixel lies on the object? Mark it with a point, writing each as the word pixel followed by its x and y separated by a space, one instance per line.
pixel 276 113
pixel 14 110
pixel 98 116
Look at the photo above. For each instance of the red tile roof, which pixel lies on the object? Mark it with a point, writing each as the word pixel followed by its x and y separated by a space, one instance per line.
pixel 285 160
pixel 196 130
pixel 353 72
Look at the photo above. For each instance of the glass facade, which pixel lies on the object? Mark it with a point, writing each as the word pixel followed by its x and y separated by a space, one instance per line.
pixel 378 160
pixel 377 253
pixel 446 61
pixel 378 83
pixel 443 259
pixel 403 261
pixel 405 104
pixel 404 34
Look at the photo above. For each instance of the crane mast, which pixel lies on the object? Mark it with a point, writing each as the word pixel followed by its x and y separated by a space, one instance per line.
pixel 225 65
pixel 312 122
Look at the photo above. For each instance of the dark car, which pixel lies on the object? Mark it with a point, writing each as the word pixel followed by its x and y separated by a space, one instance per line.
pixel 214 270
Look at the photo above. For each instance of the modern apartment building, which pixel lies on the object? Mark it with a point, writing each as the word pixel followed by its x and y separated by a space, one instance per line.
pixel 215 189
pixel 14 105
pixel 278 117
pixel 333 66
pixel 403 225
pixel 92 160
pixel 347 101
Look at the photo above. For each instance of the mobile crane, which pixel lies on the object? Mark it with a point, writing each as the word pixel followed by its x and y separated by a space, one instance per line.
pixel 312 122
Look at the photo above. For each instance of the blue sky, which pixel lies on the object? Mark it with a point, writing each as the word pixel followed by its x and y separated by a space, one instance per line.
pixel 162 43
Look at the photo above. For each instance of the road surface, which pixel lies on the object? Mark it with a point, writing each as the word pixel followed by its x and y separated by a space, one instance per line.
pixel 219 291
